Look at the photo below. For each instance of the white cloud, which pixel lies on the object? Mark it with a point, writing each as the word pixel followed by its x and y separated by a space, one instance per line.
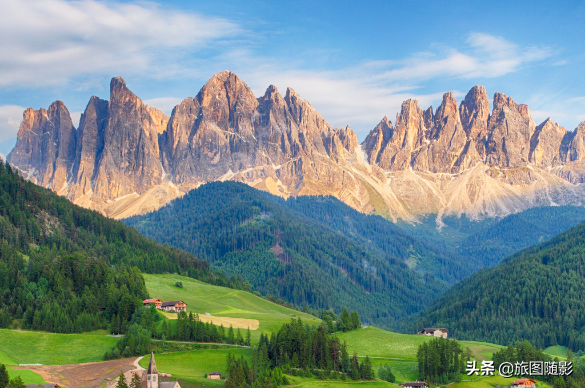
pixel 362 95
pixel 580 117
pixel 51 41
pixel 75 117
pixel 10 118
pixel 2 157
pixel 166 104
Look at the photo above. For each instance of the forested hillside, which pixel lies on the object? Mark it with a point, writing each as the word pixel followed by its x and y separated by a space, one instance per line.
pixel 486 242
pixel 68 269
pixel 536 295
pixel 386 238
pixel 286 254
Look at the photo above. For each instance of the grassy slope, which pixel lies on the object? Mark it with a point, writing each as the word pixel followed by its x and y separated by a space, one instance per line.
pixel 204 298
pixel 399 350
pixel 27 376
pixel 558 350
pixel 195 365
pixel 28 347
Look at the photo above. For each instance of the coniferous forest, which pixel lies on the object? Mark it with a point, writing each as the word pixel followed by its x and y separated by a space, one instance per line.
pixel 535 295
pixel 297 349
pixel 282 252
pixel 67 269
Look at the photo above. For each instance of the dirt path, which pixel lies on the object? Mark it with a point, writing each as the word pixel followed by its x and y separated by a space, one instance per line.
pixel 87 375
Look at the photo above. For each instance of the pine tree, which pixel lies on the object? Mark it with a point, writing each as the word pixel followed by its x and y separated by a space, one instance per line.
pixel 344 358
pixel 385 373
pixel 135 383
pixel 114 325
pixel 239 338
pixel 345 321
pixel 122 381
pixel 355 320
pixel 355 367
pixel 18 383
pixel 248 337
pixel 4 378
pixel 230 336
pixel 366 370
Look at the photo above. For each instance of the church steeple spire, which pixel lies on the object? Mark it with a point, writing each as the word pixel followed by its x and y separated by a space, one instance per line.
pixel 152 373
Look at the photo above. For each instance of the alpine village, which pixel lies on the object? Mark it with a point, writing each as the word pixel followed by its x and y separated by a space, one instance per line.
pixel 232 237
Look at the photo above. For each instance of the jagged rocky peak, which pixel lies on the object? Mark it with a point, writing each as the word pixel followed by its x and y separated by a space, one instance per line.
pixel 446 111
pixel 475 111
pixel 348 138
pixel 45 147
pixel 510 130
pixel 410 121
pixel 576 147
pixel 428 117
pixel 377 139
pixel 546 144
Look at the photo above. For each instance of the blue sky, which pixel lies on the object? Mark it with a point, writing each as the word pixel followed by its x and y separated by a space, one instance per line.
pixel 354 62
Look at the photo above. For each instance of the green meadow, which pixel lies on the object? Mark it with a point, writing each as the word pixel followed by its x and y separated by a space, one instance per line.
pixel 399 350
pixel 204 298
pixel 30 347
pixel 194 365
pixel 27 376
pixel 558 351
pixel 314 383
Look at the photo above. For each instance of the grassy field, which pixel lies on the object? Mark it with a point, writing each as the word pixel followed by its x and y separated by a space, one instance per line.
pixel 224 302
pixel 27 347
pixel 27 376
pixel 375 342
pixel 399 350
pixel 194 365
pixel 558 350
pixel 314 383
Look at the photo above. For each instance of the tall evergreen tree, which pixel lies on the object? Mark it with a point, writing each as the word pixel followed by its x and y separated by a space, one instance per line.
pixel 121 381
pixel 135 383
pixel 4 378
pixel 355 321
pixel 16 383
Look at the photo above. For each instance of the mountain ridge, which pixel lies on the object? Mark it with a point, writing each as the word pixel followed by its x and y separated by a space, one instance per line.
pixel 127 158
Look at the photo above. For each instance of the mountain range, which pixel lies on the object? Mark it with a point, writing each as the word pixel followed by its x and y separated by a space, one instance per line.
pixel 127 158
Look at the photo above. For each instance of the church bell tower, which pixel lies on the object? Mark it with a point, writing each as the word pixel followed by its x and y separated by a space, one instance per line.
pixel 152 373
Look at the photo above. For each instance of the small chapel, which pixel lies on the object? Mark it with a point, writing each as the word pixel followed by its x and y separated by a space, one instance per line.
pixel 152 377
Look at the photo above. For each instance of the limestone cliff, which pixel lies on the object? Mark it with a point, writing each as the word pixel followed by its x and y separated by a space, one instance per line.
pixel 128 158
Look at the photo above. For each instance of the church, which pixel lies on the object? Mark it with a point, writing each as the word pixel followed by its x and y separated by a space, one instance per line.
pixel 152 378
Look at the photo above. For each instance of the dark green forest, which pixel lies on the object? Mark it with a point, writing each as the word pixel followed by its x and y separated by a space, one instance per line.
pixel 440 361
pixel 536 295
pixel 282 252
pixel 486 242
pixel 297 349
pixel 386 238
pixel 68 269
pixel 525 352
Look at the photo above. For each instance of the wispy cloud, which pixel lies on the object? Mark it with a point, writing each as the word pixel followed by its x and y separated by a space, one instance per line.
pixel 10 118
pixel 166 104
pixel 52 41
pixel 363 94
pixel 48 42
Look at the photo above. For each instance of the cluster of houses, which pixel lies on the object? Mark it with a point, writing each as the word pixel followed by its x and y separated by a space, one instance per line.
pixel 175 306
